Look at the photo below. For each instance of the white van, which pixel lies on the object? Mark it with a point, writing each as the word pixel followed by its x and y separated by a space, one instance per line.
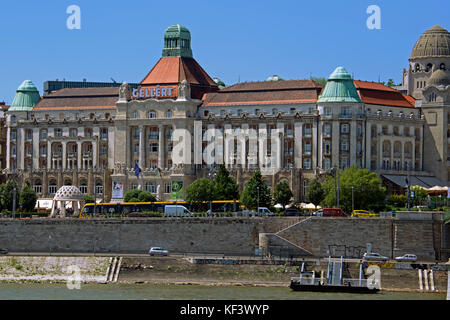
pixel 177 211
pixel 264 212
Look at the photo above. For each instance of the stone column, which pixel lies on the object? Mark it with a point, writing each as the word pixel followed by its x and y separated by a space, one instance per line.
pixel 79 155
pixel 402 154
pixel 21 148
pixel 242 140
pixel 94 153
pixel 315 162
pixel 49 155
pixel 218 145
pixel 353 136
pixel 413 156
pixel 198 139
pixel 8 148
pixel 279 157
pixel 211 139
pixel 262 150
pixel 335 141
pixel 229 145
pixel 421 148
pixel 161 147
pixel 298 144
pixel 380 153
pixel 320 145
pixel 252 148
pixel 141 147
pixel 368 146
pixel 44 183
pixel 64 155
pixel 392 153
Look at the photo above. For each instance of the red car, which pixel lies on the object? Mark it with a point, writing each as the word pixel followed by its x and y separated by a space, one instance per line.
pixel 333 212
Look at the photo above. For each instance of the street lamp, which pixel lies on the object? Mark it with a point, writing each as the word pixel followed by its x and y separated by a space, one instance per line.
pixel 353 200
pixel 211 175
pixel 14 202
pixel 257 209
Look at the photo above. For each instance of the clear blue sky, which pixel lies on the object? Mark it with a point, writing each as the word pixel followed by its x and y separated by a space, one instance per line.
pixel 245 39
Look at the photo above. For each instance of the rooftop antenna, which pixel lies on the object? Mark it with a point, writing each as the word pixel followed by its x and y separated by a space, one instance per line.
pixel 114 81
pixel 239 78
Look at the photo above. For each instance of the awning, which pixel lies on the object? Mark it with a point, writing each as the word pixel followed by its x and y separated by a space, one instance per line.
pixel 425 182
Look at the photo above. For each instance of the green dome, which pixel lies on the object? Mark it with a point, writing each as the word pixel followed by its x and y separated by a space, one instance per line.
pixel 339 88
pixel 177 42
pixel 274 78
pixel 219 82
pixel 27 95
pixel 435 42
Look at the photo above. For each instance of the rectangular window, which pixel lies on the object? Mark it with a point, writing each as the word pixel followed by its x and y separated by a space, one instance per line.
pixel 13 134
pixel 168 187
pixel 327 129
pixel 327 111
pixel 153 147
pixel 344 145
pixel 326 164
pixel 58 132
pixel 150 187
pixel 308 130
pixel 307 163
pixel 73 132
pixel 104 133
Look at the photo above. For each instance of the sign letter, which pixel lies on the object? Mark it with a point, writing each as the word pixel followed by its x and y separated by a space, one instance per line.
pixel 74 20
pixel 374 21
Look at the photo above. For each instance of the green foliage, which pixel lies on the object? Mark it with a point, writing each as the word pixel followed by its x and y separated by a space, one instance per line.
pixel 88 198
pixel 153 213
pixel 137 195
pixel 146 196
pixel 200 190
pixel 315 193
pixel 397 200
pixel 420 196
pixel 6 195
pixel 225 187
pixel 367 189
pixel 282 193
pixel 28 198
pixel 322 81
pixel 249 196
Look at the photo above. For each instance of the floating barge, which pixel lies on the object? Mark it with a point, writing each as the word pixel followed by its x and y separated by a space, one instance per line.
pixel 334 282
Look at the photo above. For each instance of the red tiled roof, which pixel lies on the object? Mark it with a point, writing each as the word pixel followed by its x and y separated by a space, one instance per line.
pixel 172 70
pixel 78 99
pixel 265 92
pixel 379 94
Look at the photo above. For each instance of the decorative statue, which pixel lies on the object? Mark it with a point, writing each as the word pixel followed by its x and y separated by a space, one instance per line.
pixel 124 92
pixel 184 91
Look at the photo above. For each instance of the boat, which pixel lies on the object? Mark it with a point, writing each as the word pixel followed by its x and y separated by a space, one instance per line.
pixel 334 282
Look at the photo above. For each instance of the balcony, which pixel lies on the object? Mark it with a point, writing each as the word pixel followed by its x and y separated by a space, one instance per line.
pixel 87 154
pixel 345 115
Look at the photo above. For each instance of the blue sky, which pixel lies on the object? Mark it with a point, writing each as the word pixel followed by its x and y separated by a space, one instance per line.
pixel 247 40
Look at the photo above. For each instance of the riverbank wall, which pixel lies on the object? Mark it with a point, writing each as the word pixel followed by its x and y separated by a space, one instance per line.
pixel 296 236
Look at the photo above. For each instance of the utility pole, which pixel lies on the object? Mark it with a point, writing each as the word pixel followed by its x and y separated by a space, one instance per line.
pixel 408 186
pixel 14 202
pixel 353 200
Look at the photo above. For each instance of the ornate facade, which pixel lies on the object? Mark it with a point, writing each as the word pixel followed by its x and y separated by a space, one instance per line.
pixel 179 124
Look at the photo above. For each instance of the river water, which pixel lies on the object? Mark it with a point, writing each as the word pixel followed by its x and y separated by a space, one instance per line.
pixel 52 291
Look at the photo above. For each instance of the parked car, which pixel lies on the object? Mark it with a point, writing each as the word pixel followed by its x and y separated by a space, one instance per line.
pixel 177 211
pixel 407 257
pixel 333 212
pixel 3 251
pixel 264 212
pixel 158 251
pixel 292 212
pixel 373 256
pixel 318 213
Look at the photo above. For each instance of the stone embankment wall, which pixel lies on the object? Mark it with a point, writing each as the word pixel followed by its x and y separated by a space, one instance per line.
pixel 137 235
pixel 88 269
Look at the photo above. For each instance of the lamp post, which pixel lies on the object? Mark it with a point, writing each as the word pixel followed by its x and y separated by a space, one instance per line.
pixel 257 208
pixel 14 202
pixel 353 200
pixel 211 175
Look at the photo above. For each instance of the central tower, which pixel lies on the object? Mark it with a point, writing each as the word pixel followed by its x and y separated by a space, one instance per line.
pixel 177 42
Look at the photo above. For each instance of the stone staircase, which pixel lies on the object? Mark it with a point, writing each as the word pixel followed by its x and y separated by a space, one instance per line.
pixel 112 273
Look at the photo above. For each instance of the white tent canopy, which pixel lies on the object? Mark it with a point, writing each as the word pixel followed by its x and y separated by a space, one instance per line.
pixel 311 206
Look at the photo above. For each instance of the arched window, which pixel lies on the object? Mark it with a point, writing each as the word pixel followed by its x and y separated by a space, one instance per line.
pixel 169 114
pixel 37 186
pixel 67 182
pixel 442 66
pixel 417 67
pixel 52 187
pixel 429 67
pixel 151 114
pixel 83 186
pixel 99 187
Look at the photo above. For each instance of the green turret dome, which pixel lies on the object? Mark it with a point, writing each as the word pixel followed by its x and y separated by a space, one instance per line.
pixel 219 82
pixel 177 42
pixel 27 95
pixel 339 88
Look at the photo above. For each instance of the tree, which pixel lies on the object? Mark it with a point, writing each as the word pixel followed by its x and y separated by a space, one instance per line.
pixel 28 198
pixel 6 196
pixel 250 195
pixel 322 81
pixel 138 195
pixel 420 195
pixel 88 198
pixel 225 187
pixel 315 193
pixel 282 193
pixel 391 83
pixel 397 200
pixel 367 189
pixel 199 191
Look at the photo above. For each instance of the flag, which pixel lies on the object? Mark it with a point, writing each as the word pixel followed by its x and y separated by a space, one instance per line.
pixel 137 170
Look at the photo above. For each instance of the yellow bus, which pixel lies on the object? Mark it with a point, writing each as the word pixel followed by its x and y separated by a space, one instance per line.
pixel 363 213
